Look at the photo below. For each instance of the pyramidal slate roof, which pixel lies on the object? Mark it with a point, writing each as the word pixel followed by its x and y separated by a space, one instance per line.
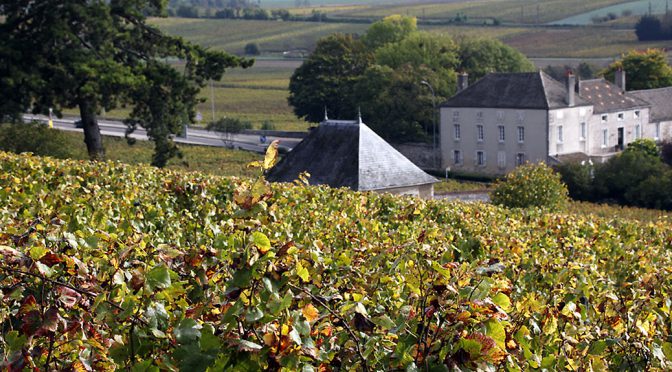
pixel 348 154
pixel 524 90
pixel 660 100
pixel 608 97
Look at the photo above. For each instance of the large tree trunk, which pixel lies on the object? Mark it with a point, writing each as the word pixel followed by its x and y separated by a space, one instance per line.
pixel 92 138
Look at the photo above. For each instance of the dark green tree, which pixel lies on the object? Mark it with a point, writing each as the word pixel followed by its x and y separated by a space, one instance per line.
pixel 391 29
pixel 101 54
pixel 326 79
pixel 643 69
pixel 481 56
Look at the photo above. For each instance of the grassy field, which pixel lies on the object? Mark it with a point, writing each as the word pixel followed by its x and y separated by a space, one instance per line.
pixel 518 11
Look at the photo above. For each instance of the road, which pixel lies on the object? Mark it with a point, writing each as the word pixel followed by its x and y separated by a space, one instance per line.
pixel 194 136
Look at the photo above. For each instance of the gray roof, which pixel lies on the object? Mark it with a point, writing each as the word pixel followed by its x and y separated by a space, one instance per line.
pixel 348 154
pixel 660 100
pixel 525 90
pixel 608 97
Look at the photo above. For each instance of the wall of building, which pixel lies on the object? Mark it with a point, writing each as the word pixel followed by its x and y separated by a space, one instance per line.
pixel 421 191
pixel 420 154
pixel 568 120
pixel 500 156
pixel 629 122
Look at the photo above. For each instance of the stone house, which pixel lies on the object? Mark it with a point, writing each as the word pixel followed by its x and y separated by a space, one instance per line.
pixel 349 154
pixel 507 119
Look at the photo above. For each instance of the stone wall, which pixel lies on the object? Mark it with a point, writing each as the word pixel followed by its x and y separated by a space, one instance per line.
pixel 419 153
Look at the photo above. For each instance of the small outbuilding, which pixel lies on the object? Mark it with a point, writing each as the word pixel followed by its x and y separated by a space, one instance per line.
pixel 349 154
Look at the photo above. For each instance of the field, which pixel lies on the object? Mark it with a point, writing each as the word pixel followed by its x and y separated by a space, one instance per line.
pixel 128 267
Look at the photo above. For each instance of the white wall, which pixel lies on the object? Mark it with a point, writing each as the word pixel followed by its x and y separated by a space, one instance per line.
pixel 629 122
pixel 534 147
pixel 570 120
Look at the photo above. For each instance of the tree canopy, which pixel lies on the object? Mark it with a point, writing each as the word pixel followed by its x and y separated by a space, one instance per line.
pixel 643 69
pixel 101 54
pixel 386 73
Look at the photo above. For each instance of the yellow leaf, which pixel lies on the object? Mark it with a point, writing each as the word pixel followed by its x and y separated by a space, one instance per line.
pixel 310 312
pixel 271 155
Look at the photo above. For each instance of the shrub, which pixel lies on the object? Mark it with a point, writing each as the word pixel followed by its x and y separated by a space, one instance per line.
pixel 579 180
pixel 666 152
pixel 36 138
pixel 251 49
pixel 531 185
pixel 267 125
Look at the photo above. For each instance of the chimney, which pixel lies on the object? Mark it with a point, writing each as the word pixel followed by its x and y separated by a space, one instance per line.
pixel 571 89
pixel 620 79
pixel 462 81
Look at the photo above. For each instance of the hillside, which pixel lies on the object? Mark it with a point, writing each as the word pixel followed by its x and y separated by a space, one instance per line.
pixel 108 266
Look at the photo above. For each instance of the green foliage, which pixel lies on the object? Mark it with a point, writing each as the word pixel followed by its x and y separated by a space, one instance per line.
pixel 643 69
pixel 102 55
pixel 644 146
pixel 252 49
pixel 268 125
pixel 531 185
pixel 391 29
pixel 157 270
pixel 326 79
pixel 481 56
pixel 579 180
pixel 36 138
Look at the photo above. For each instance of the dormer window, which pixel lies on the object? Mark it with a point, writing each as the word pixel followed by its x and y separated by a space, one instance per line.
pixel 604 118
pixel 620 116
pixel 637 114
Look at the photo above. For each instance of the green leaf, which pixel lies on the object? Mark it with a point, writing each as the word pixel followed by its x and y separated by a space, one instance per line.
pixel 188 332
pixel 241 278
pixel 597 347
pixel 495 330
pixel 158 278
pixel 302 272
pixel 502 301
pixel 248 345
pixel 472 347
pixel 294 336
pixel 667 350
pixel 261 242
pixel 253 315
pixel 14 341
pixel 548 362
pixel 144 366
pixel 384 322
pixel 37 252
pixel 209 342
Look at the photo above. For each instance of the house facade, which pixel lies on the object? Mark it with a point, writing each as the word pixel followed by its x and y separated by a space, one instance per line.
pixel 507 119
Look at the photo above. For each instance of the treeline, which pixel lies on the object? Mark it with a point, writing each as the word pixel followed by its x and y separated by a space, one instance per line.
pixel 248 12
pixel 650 27
pixel 640 176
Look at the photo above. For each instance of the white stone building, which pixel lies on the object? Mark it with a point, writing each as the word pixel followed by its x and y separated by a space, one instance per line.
pixel 507 119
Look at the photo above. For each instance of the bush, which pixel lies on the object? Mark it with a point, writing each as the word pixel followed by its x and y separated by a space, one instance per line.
pixel 666 152
pixel 267 125
pixel 531 185
pixel 36 138
pixel 579 180
pixel 252 49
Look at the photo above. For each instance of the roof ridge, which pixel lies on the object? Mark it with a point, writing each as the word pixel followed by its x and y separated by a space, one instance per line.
pixel 543 88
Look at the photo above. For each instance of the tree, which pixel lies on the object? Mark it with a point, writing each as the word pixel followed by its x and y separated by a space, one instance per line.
pixel 649 28
pixel 481 56
pixel 391 29
pixel 227 127
pixel 101 54
pixel 326 78
pixel 643 69
pixel 252 49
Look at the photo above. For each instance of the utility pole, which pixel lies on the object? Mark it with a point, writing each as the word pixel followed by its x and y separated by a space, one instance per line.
pixel 434 114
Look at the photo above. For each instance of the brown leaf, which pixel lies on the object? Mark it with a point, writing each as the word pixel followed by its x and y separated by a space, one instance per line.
pixel 310 312
pixel 29 304
pixel 68 297
pixel 50 259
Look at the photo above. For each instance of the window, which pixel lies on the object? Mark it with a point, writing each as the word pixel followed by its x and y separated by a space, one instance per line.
pixel 521 134
pixel 457 157
pixel 479 133
pixel 501 159
pixel 657 136
pixel 502 133
pixel 604 118
pixel 479 116
pixel 521 116
pixel 582 134
pixel 638 131
pixel 520 158
pixel 480 158
pixel 605 137
pixel 456 132
pixel 560 115
pixel 500 116
pixel 620 116
pixel 456 116
pixel 637 114
pixel 560 136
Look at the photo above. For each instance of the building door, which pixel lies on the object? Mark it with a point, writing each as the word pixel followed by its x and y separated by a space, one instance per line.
pixel 621 139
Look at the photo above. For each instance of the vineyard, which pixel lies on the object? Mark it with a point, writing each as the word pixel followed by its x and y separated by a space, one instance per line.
pixel 107 266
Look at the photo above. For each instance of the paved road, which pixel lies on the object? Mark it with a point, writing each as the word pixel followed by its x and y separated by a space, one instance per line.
pixel 475 196
pixel 194 136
